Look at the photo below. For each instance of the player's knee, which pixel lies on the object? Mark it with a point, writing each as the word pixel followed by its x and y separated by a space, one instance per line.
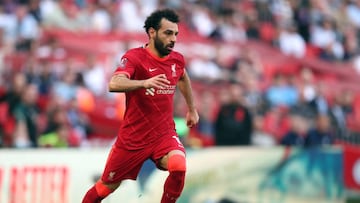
pixel 177 162
pixel 104 190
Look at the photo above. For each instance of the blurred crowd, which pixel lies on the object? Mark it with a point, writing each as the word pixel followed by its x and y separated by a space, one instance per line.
pixel 48 94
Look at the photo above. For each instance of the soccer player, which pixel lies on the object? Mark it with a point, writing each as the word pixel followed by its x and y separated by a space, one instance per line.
pixel 149 76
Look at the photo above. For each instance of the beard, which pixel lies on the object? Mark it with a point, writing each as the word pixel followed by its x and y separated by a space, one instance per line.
pixel 163 49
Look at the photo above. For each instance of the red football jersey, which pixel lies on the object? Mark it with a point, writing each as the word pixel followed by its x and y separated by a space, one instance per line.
pixel 148 114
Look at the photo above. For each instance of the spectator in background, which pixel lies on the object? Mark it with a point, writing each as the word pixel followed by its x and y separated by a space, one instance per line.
pixel 66 88
pixel 204 69
pixel 13 94
pixel 130 9
pixel 340 110
pixel 276 122
pixel 34 10
pixel 94 76
pixel 252 24
pixel 231 26
pixel 254 97
pixel 321 134
pixel 202 135
pixel 319 104
pixel 202 19
pixel 324 36
pixel 55 131
pixel 233 124
pixel 297 132
pixel 206 114
pixel 350 43
pixel 9 101
pixel 353 12
pixel 339 13
pixel 85 98
pixel 55 139
pixel 281 10
pixel 281 93
pixel 302 18
pixel 99 19
pixel 46 78
pixel 20 28
pixel 26 116
pixel 290 41
pixel 248 70
pixel 51 49
pixel 307 94
pixel 78 122
pixel 4 22
pixel 307 82
pixel 259 136
pixel 26 29
pixel 6 37
pixel 63 15
pixel 40 73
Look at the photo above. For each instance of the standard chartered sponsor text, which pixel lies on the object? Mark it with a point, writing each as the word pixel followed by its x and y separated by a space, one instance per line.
pixel 169 89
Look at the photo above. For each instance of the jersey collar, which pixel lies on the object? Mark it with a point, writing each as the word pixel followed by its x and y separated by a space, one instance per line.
pixel 155 56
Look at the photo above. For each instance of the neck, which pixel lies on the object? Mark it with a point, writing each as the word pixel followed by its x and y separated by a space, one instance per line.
pixel 153 50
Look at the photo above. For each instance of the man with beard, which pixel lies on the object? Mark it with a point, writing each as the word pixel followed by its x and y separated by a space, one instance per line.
pixel 149 76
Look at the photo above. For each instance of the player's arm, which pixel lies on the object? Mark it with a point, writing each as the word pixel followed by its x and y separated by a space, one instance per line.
pixel 184 85
pixel 121 83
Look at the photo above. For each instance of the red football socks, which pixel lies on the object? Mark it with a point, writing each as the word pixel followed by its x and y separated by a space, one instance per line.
pixel 92 196
pixel 97 193
pixel 174 183
pixel 173 186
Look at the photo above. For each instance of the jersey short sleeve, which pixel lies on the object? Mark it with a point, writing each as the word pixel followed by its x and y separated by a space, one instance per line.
pixel 126 65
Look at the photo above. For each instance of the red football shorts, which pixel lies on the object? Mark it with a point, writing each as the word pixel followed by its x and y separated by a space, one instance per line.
pixel 124 164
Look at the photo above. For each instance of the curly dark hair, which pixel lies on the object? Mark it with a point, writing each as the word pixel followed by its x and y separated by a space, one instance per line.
pixel 153 21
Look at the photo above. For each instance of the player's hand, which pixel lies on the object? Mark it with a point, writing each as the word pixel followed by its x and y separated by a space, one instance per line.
pixel 192 118
pixel 158 82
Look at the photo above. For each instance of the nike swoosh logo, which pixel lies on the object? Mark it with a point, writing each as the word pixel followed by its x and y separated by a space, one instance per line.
pixel 152 69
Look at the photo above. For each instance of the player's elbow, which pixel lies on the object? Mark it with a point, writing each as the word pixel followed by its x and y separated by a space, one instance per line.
pixel 113 87
pixel 115 84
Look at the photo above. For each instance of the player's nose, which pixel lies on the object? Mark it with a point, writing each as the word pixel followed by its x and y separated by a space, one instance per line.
pixel 173 38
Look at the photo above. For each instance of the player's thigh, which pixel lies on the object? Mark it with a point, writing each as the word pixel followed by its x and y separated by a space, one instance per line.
pixel 166 147
pixel 123 164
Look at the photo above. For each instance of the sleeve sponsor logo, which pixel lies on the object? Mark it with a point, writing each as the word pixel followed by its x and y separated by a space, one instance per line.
pixel 123 62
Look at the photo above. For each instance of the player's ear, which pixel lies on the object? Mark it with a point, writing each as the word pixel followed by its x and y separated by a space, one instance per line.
pixel 152 32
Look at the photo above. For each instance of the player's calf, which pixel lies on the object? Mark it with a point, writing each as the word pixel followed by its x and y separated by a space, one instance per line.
pixel 98 192
pixel 174 183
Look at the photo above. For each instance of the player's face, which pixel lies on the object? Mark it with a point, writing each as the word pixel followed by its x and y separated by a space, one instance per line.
pixel 165 37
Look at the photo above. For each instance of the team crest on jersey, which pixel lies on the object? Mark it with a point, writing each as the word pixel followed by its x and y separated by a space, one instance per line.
pixel 173 69
pixel 122 63
pixel 111 175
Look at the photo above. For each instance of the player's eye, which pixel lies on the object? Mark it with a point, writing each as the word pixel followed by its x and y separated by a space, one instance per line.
pixel 170 32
